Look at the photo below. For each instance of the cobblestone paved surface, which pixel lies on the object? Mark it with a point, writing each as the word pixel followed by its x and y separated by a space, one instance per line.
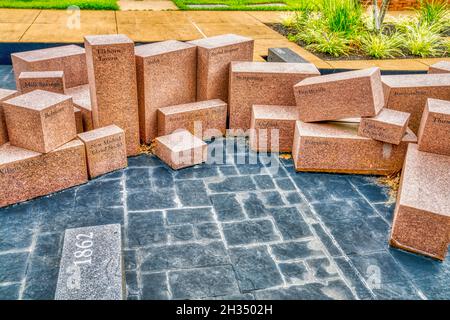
pixel 256 230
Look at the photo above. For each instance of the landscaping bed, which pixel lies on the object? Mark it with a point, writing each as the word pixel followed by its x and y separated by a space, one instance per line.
pixel 246 5
pixel 60 4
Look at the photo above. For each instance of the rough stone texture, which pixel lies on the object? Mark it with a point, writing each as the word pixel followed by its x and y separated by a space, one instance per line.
pixel 70 59
pixel 434 130
pixel 387 126
pixel 214 55
pixel 40 120
pixel 167 76
pixel 204 119
pixel 440 67
pixel 78 119
pixel 180 149
pixel 91 264
pixel 340 95
pixel 336 147
pixel 82 100
pixel 270 122
pixel 26 174
pixel 41 80
pixel 5 94
pixel 105 150
pixel 112 79
pixel 422 214
pixel 262 83
pixel 409 93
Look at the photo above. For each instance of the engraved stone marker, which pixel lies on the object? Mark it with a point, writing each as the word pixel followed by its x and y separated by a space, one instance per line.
pixel 70 59
pixel 422 214
pixel 5 94
pixel 214 57
pixel 91 265
pixel 105 150
pixel 167 75
pixel 273 128
pixel 387 126
pixel 263 83
pixel 82 100
pixel 112 79
pixel 440 67
pixel 181 149
pixel 340 95
pixel 25 174
pixel 42 80
pixel 336 147
pixel 409 93
pixel 434 131
pixel 205 119
pixel 40 120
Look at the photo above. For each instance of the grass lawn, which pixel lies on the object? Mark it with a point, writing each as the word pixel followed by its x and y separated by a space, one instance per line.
pixel 60 4
pixel 243 4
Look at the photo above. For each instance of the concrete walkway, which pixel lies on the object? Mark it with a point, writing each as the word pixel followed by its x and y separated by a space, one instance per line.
pixel 19 25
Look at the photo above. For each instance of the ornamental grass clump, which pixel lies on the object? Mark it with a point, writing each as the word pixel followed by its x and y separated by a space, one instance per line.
pixel 421 40
pixel 381 46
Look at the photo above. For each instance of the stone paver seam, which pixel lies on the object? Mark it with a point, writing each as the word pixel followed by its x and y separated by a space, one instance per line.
pixel 283 278
pixel 116 23
pixel 197 27
pixel 28 263
pixel 169 288
pixel 125 209
pixel 28 28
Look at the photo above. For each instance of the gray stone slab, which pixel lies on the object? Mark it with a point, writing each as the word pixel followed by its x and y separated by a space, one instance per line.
pixel 284 55
pixel 91 264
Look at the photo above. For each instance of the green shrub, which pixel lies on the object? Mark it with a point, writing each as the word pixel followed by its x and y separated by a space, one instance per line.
pixel 381 46
pixel 421 40
pixel 342 16
pixel 332 43
pixel 434 13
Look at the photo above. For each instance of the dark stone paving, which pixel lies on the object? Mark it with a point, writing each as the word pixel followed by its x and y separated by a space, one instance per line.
pixel 255 230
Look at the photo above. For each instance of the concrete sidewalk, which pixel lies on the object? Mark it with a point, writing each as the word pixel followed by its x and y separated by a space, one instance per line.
pixel 23 25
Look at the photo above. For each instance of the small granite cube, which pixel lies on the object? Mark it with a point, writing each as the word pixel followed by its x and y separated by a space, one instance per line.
pixel 181 149
pixel 40 120
pixel 204 119
pixel 82 100
pixel 42 80
pixel 5 94
pixel 387 126
pixel 269 122
pixel 105 150
pixel 440 67
pixel 434 131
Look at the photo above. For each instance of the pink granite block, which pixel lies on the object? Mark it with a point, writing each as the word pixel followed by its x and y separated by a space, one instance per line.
pixel 434 131
pixel 70 59
pixel 262 83
pixel 409 93
pixel 422 214
pixel 387 126
pixel 25 174
pixel 105 150
pixel 272 128
pixel 167 75
pixel 440 67
pixel 78 120
pixel 111 68
pixel 181 149
pixel 5 94
pixel 340 95
pixel 82 100
pixel 40 120
pixel 204 119
pixel 42 80
pixel 213 66
pixel 336 147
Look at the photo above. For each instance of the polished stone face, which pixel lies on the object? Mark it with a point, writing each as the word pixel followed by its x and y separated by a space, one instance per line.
pixel 52 81
pixel 5 94
pixel 81 99
pixel 440 67
pixel 434 130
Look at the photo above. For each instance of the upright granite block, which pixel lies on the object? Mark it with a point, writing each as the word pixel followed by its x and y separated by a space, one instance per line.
pixel 91 265
pixel 112 79
pixel 204 119
pixel 5 94
pixel 213 63
pixel 336 147
pixel 70 59
pixel 340 95
pixel 42 80
pixel 409 93
pixel 262 83
pixel 269 122
pixel 181 149
pixel 82 100
pixel 387 126
pixel 25 174
pixel 440 67
pixel 167 75
pixel 40 120
pixel 434 131
pixel 422 214
pixel 78 119
pixel 105 150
